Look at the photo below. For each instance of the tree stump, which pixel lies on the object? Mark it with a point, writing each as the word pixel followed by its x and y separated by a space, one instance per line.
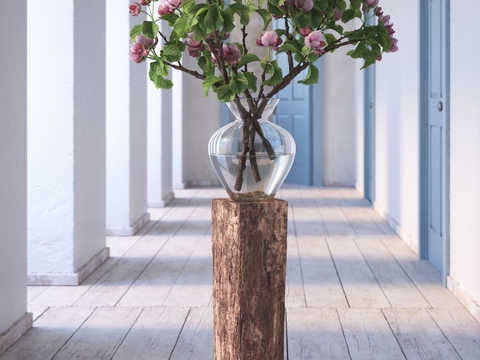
pixel 249 247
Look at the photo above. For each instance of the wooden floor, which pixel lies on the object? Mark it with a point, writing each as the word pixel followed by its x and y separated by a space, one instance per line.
pixel 354 291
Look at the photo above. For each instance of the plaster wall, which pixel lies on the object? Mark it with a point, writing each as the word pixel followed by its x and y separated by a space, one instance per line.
pixel 339 119
pixel 66 137
pixel 397 122
pixel 201 118
pixel 464 149
pixel 50 139
pixel 359 127
pixel 13 165
pixel 126 104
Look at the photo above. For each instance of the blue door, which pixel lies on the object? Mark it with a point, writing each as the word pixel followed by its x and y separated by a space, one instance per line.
pixel 294 115
pixel 437 133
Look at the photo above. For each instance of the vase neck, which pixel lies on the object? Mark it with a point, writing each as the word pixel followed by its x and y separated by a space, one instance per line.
pixel 248 109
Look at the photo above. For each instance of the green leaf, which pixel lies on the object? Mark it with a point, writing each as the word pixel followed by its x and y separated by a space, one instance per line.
pixel 208 83
pixel 312 76
pixel 213 19
pixel 274 9
pixel 171 53
pixel 225 94
pixel 252 81
pixel 181 27
pixel 246 59
pixel 267 17
pixel 228 24
pixel 239 83
pixel 242 11
pixel 289 45
pixel 150 29
pixel 329 38
pixel 170 18
pixel 348 15
pixel 136 30
pixel 358 52
pixel 355 4
pixel 159 81
pixel 159 68
pixel 276 71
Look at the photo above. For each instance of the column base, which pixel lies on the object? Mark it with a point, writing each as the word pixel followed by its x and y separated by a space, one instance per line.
pixel 465 299
pixel 20 327
pixel 164 202
pixel 70 279
pixel 129 231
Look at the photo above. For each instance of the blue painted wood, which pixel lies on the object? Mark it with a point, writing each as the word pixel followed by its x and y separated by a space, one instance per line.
pixel 294 115
pixel 437 117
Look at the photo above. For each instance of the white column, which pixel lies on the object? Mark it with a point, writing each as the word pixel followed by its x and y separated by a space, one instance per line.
pixel 66 141
pixel 159 141
pixel 126 126
pixel 14 320
pixel 177 130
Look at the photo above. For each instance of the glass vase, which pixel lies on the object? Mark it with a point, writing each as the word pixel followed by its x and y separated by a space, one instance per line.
pixel 252 156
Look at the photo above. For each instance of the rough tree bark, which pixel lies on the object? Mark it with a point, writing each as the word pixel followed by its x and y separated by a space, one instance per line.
pixel 249 247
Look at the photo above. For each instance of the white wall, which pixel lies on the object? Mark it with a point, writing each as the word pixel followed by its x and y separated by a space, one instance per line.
pixel 359 127
pixel 397 123
pixel 201 118
pixel 465 148
pixel 66 137
pixel 339 119
pixel 13 165
pixel 126 110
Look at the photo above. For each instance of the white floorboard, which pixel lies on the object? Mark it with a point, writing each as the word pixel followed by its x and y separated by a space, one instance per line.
pixel 354 290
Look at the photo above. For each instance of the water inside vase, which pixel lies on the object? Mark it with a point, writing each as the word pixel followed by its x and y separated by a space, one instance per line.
pixel 272 173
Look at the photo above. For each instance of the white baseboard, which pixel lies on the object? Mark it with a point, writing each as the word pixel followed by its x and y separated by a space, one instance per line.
pixel 12 334
pixel 164 202
pixel 131 230
pixel 465 299
pixel 72 279
pixel 396 227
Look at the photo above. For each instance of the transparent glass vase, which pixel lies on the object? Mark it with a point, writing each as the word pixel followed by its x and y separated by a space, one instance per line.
pixel 252 173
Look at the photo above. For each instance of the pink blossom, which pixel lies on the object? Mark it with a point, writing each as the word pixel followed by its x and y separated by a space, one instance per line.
pixel 140 48
pixel 144 2
pixel 379 11
pixel 338 13
pixel 314 41
pixel 305 31
pixel 372 3
pixel 270 38
pixel 168 6
pixel 305 5
pixel 231 53
pixel 135 9
pixel 194 47
pixel 394 47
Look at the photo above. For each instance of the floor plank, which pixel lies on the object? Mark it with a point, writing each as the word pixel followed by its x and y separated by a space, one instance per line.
pixel 397 286
pixel 196 338
pixel 321 282
pixel 461 329
pixel 101 335
pixel 315 333
pixel 49 334
pixel 419 336
pixel 154 334
pixel 360 285
pixel 368 335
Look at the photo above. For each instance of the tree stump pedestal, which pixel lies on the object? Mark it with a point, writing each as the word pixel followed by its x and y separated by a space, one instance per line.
pixel 249 248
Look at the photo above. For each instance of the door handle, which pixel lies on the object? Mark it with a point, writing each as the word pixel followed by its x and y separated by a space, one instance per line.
pixel 440 106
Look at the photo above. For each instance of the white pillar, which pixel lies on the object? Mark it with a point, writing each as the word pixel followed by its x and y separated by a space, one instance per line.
pixel 126 126
pixel 66 141
pixel 159 141
pixel 14 320
pixel 177 130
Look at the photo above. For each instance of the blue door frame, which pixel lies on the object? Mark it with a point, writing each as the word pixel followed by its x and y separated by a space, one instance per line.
pixel 434 135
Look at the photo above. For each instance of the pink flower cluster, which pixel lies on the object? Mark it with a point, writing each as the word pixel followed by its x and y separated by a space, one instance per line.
pixel 314 41
pixel 270 38
pixel 231 53
pixel 194 47
pixel 305 5
pixel 136 8
pixel 168 6
pixel 386 22
pixel 141 47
